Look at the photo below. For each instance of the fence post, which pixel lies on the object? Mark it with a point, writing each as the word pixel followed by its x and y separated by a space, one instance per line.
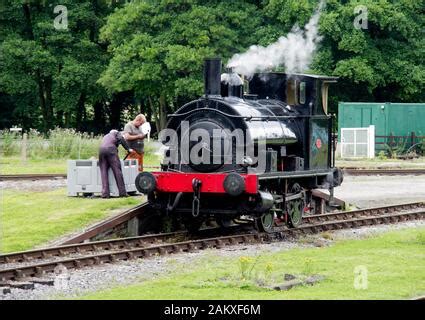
pixel 24 148
pixel 413 138
pixel 371 142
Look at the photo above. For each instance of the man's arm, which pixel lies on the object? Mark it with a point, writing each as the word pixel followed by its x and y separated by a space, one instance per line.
pixel 130 137
pixel 123 142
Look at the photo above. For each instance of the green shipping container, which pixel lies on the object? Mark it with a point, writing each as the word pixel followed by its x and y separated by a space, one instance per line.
pixel 397 119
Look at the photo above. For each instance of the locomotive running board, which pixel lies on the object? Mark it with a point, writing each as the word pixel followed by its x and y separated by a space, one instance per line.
pixel 293 174
pixel 326 197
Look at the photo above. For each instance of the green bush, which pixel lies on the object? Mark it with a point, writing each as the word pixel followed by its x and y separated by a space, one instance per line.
pixel 396 149
pixel 422 147
pixel 60 144
pixel 72 145
pixel 245 267
pixel 382 155
pixel 10 143
pixel 37 145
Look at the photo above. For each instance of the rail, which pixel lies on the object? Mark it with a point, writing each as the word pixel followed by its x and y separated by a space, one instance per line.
pixel 138 247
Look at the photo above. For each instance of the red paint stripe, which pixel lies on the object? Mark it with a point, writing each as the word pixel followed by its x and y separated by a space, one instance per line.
pixel 211 182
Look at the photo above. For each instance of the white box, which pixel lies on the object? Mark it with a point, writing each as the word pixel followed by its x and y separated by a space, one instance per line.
pixel 358 142
pixel 84 177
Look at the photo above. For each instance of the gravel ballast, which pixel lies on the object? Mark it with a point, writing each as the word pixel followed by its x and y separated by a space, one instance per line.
pixel 33 185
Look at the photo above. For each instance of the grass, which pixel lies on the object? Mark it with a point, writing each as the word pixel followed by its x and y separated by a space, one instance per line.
pixel 29 219
pixel 395 264
pixel 14 165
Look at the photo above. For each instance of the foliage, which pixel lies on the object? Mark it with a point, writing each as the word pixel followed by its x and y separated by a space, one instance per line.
pixel 422 146
pixel 395 149
pixel 308 265
pixel 158 48
pixel 51 74
pixel 382 155
pixel 246 265
pixel 9 146
pixel 50 155
pixel 381 63
pixel 72 145
pixel 120 57
pixel 61 144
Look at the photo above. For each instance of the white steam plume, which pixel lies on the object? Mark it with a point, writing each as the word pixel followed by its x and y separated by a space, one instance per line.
pixel 295 51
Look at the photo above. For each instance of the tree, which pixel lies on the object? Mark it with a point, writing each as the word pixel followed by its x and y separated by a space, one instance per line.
pixel 158 47
pixel 148 54
pixel 57 67
pixel 381 63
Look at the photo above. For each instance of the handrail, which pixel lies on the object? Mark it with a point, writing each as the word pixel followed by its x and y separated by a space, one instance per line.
pixel 249 118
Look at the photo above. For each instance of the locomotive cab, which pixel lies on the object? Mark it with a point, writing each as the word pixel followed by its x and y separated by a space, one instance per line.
pixel 257 154
pixel 305 91
pixel 307 97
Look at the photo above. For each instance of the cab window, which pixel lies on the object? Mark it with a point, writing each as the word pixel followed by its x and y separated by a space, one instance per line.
pixel 291 92
pixel 325 87
pixel 302 93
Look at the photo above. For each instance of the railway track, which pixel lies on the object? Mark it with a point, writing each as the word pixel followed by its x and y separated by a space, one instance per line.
pixel 32 176
pixel 105 225
pixel 45 176
pixel 110 245
pixel 24 266
pixel 368 212
pixel 347 170
pixel 382 172
pixel 88 247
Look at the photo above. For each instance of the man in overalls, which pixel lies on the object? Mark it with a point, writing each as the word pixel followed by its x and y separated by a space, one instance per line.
pixel 108 158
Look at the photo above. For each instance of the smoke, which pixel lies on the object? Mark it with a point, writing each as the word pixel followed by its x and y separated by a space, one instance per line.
pixel 295 51
pixel 231 78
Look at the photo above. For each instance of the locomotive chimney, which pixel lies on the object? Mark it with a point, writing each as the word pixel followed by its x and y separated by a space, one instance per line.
pixel 212 73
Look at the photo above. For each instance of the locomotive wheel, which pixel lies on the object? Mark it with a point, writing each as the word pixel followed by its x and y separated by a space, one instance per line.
pixel 223 222
pixel 265 222
pixel 295 208
pixel 295 211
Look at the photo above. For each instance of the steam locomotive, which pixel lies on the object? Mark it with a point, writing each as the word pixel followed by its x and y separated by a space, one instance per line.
pixel 233 156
